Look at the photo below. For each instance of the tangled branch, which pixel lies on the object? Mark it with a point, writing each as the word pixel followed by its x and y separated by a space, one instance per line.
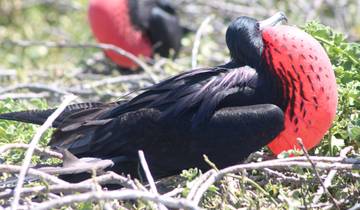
pixel 33 143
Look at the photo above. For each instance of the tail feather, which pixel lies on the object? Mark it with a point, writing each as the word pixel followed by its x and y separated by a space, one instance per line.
pixel 39 116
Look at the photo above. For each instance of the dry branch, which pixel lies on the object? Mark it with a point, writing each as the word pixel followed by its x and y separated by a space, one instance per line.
pixel 112 80
pixel 26 163
pixel 282 176
pixel 275 164
pixel 63 188
pixel 7 72
pixel 81 167
pixel 355 207
pixel 35 87
pixel 198 182
pixel 174 192
pixel 146 169
pixel 149 177
pixel 33 172
pixel 113 178
pixel 199 187
pixel 67 188
pixel 38 150
pixel 330 176
pixel 235 8
pixel 199 33
pixel 317 174
pixel 321 159
pixel 24 95
pixel 126 194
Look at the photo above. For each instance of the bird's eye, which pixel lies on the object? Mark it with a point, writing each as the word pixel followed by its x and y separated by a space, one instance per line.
pixel 257 26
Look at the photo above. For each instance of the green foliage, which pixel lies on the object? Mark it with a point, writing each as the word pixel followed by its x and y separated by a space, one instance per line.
pixel 345 58
pixel 42 22
pixel 14 132
pixel 190 174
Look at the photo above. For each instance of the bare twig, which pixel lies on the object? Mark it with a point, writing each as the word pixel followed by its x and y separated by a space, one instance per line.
pixel 198 35
pixel 102 46
pixel 119 79
pixel 126 194
pixel 321 206
pixel 174 192
pixel 322 159
pixel 113 178
pixel 7 72
pixel 280 163
pixel 35 87
pixel 235 8
pixel 24 95
pixel 63 6
pixel 198 182
pixel 282 176
pixel 33 143
pixel 84 186
pixel 81 167
pixel 313 165
pixel 45 87
pixel 63 188
pixel 38 150
pixel 355 207
pixel 213 176
pixel 256 186
pixel 149 177
pixel 146 169
pixel 330 176
pixel 32 172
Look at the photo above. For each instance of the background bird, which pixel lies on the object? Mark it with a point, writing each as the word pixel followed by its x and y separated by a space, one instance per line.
pixel 278 83
pixel 143 28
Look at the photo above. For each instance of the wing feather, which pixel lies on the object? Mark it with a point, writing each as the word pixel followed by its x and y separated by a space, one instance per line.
pixel 198 92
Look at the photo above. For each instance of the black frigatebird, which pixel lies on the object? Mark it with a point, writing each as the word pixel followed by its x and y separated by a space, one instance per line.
pixel 278 86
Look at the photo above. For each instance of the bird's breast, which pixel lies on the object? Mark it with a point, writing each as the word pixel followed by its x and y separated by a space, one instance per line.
pixel 308 85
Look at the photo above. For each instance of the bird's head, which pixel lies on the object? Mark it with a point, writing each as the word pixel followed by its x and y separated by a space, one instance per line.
pixel 300 69
pixel 244 38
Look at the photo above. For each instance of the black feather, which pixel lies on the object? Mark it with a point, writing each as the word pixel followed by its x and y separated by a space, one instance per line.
pixel 40 116
pixel 158 19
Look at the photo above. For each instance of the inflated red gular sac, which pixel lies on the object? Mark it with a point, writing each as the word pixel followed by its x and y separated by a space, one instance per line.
pixel 141 27
pixel 308 84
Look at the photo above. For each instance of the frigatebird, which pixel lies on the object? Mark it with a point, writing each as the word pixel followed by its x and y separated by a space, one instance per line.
pixel 141 27
pixel 278 86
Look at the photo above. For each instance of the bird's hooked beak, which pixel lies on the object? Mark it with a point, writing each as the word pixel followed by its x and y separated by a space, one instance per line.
pixel 274 20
